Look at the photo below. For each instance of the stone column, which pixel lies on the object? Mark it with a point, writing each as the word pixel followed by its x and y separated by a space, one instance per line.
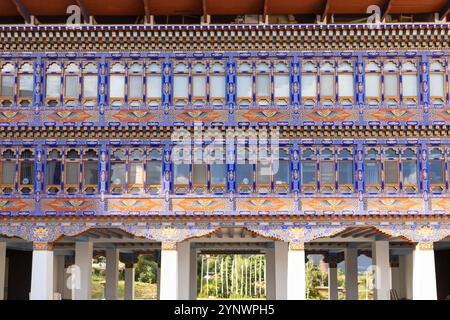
pixel 406 265
pixel 351 274
pixel 424 273
pixel 42 272
pixel 169 271
pixel 83 262
pixel 184 272
pixel 296 275
pixel 380 259
pixel 281 250
pixel 129 281
pixel 271 292
pixel 193 274
pixel 2 269
pixel 112 273
pixel 333 293
pixel 396 276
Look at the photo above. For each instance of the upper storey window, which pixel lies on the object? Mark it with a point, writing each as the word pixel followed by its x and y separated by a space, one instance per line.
pixel 438 84
pixel 16 84
pixel 327 83
pixel 16 170
pixel 71 84
pixel 439 169
pixel 391 170
pixel 199 83
pixel 263 83
pixel 383 85
pixel 153 82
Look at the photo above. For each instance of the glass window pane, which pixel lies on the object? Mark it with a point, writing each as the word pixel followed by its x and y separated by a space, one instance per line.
pixel 263 85
pixel 26 86
pixel 135 87
pixel 327 85
pixel 117 173
pixel 217 86
pixel 26 173
pixel 180 86
pixel 71 86
pixel 90 171
pixel 72 170
pixel 154 86
pixel 345 173
pixel 409 83
pixel 372 172
pixel 8 172
pixel 282 175
pixel 327 172
pixel 136 173
pixel 244 174
pixel 281 86
pixel 181 174
pixel 391 85
pixel 199 176
pixel 218 174
pixel 436 172
pixel 309 85
pixel 372 85
pixel 244 86
pixel 154 171
pixel 263 173
pixel 437 85
pixel 7 86
pixel 308 172
pixel 391 172
pixel 117 86
pixel 53 86
pixel 199 86
pixel 53 172
pixel 345 85
pixel 90 86
pixel 409 173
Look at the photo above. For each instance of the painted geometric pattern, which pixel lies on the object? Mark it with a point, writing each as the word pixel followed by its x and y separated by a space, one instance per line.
pixel 135 205
pixel 138 116
pixel 440 204
pixel 15 205
pixel 324 204
pixel 264 204
pixel 418 232
pixel 69 205
pixel 440 114
pixel 395 204
pixel 169 233
pixel 14 116
pixel 329 115
pixel 295 233
pixel 392 114
pixel 200 204
pixel 263 115
pixel 60 116
pixel 198 115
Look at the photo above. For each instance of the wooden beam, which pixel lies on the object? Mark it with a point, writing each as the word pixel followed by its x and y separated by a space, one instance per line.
pixel 385 10
pixel 265 7
pixel 444 11
pixel 84 10
pixel 147 10
pixel 325 10
pixel 204 8
pixel 22 11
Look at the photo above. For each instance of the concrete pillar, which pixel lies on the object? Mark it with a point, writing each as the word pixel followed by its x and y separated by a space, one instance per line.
pixel 270 274
pixel 406 265
pixel 193 274
pixel 2 269
pixel 296 275
pixel 351 274
pixel 396 277
pixel 112 273
pixel 333 293
pixel 129 281
pixel 83 262
pixel 380 259
pixel 42 272
pixel 169 271
pixel 184 272
pixel 424 273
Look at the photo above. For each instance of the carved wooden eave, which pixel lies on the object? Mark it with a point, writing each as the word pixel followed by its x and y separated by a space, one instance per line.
pixel 224 37
pixel 165 132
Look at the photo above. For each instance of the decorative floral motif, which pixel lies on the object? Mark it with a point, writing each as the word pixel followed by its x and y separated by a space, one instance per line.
pixel 418 233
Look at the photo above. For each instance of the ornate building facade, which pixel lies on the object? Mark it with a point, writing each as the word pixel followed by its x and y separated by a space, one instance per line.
pixel 87 121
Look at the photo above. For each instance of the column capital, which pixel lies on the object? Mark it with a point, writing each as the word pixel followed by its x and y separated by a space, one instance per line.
pixel 424 246
pixel 296 246
pixel 168 245
pixel 42 246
